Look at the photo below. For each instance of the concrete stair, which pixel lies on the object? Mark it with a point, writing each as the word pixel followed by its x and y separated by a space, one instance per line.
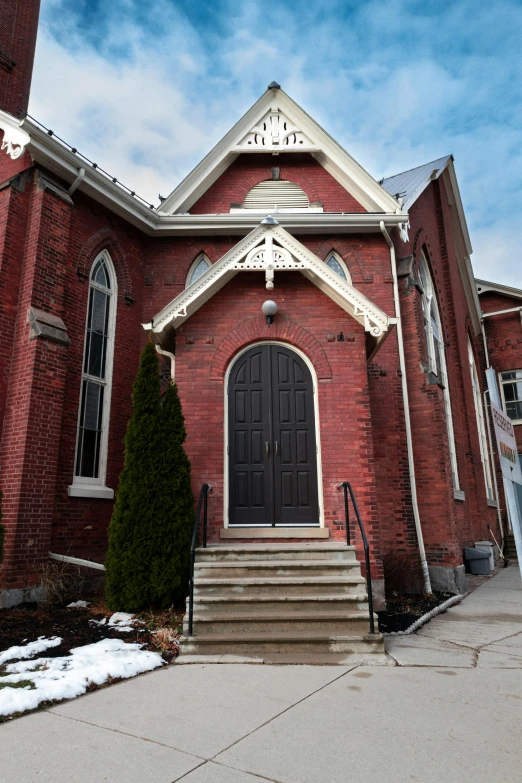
pixel 510 550
pixel 280 603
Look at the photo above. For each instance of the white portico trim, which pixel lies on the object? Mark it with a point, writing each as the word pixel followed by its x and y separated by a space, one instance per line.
pixel 269 248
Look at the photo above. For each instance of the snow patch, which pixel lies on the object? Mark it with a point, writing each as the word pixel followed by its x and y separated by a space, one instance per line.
pixel 28 650
pixel 78 605
pixel 71 675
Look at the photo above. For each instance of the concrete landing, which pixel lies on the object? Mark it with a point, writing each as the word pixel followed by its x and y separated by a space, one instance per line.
pixel 447 709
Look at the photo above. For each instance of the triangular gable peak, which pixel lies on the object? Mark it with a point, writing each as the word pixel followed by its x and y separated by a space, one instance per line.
pixel 269 248
pixel 277 124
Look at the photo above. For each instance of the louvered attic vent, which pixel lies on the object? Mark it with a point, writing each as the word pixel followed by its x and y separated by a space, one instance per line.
pixel 276 194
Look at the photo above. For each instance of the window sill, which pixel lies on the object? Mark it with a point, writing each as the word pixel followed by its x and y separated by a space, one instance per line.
pixel 459 494
pixel 492 503
pixel 90 491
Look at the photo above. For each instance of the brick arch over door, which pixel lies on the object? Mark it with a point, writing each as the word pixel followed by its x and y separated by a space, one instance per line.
pixel 106 240
pixel 255 330
pixel 285 174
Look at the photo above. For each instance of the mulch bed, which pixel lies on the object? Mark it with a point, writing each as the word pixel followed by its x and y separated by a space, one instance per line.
pixel 24 624
pixel 403 611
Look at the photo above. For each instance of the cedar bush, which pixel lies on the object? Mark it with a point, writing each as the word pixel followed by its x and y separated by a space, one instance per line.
pixel 147 562
pixel 2 532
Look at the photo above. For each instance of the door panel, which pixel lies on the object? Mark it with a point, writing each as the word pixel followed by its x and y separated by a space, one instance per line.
pixel 273 459
pixel 250 500
pixel 295 457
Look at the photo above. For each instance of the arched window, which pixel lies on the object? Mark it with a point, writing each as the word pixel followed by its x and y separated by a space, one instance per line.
pixel 479 411
pixel 93 420
pixel 335 262
pixel 437 355
pixel 198 268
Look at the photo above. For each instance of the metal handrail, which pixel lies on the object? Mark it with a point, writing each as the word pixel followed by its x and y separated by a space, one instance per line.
pixel 202 503
pixel 347 487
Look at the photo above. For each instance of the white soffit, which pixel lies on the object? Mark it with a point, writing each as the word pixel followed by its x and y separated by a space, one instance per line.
pixel 258 252
pixel 483 286
pixel 276 124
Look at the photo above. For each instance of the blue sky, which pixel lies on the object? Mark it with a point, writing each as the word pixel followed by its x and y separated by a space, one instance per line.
pixel 147 88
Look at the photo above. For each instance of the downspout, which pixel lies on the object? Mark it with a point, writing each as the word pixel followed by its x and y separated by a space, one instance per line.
pixel 407 421
pixel 172 361
pixel 490 441
pixel 493 470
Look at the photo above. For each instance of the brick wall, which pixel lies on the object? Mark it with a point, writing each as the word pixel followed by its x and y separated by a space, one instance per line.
pixel 18 28
pixel 448 524
pixel 504 336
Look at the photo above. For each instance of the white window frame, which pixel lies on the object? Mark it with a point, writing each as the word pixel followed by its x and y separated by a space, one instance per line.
pixel 84 486
pixel 437 360
pixel 481 425
pixel 194 264
pixel 341 263
pixel 501 384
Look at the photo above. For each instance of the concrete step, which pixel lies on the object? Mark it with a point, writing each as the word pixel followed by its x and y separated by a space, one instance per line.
pixel 260 568
pixel 278 552
pixel 277 585
pixel 265 603
pixel 336 623
pixel 295 659
pixel 291 644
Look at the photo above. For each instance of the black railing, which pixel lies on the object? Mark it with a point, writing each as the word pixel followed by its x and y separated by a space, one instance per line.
pixel 202 504
pixel 347 488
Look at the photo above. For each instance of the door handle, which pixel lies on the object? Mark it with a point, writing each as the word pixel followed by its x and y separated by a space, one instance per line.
pixel 267 449
pixel 276 448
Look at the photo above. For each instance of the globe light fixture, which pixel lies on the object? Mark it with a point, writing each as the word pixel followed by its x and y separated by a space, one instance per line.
pixel 269 309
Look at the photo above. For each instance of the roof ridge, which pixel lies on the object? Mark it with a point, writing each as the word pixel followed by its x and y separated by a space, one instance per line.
pixel 406 171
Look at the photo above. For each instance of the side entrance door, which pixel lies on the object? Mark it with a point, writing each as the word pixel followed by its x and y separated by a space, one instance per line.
pixel 272 446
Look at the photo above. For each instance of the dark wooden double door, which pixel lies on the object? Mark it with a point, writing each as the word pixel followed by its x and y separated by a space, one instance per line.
pixel 272 444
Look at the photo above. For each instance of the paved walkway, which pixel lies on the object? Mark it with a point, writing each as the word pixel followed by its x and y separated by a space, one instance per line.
pixel 449 711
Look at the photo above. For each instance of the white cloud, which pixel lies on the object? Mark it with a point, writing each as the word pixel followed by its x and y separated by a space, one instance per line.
pixel 397 83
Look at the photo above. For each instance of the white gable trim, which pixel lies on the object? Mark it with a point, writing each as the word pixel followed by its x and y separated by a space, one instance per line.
pixel 257 252
pixel 262 129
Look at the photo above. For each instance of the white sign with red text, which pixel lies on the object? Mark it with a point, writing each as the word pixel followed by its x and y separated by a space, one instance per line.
pixel 507 445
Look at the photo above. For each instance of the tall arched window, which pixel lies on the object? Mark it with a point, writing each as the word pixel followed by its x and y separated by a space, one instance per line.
pixel 93 419
pixel 437 356
pixel 481 427
pixel 198 268
pixel 335 262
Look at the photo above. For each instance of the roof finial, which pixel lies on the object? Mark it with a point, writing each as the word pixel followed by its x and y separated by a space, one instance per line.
pixel 274 86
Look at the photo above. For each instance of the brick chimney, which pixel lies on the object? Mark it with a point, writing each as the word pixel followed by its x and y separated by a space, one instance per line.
pixel 18 28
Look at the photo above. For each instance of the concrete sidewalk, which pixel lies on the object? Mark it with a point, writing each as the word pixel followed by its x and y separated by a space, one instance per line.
pixel 449 707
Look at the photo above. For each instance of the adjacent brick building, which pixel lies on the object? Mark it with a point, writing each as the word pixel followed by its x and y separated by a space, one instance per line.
pixel 363 376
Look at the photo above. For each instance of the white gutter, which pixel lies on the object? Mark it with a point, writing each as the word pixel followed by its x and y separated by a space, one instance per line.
pixel 501 312
pixel 407 420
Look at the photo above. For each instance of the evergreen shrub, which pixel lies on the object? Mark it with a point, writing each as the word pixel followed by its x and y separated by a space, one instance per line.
pixel 148 558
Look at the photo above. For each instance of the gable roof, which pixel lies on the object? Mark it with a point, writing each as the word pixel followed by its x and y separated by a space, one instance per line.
pixel 483 286
pixel 275 124
pixel 410 184
pixel 258 251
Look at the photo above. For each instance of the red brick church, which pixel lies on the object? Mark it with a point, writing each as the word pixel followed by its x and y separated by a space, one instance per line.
pixel 369 368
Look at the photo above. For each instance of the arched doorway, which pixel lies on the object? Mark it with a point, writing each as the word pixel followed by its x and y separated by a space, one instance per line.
pixel 272 445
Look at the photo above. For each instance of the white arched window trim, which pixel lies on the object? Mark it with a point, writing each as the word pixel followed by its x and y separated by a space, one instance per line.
pixel 334 256
pixel 201 257
pixel 437 360
pixel 481 426
pixel 94 486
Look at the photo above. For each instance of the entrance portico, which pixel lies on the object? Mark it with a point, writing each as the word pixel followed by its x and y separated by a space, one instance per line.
pixel 279 414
